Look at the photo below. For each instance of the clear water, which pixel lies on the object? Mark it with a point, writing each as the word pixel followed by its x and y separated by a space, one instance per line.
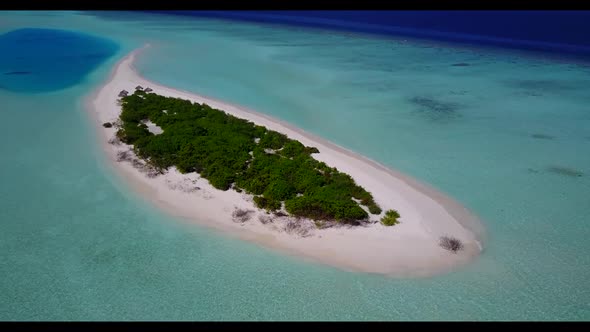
pixel 506 135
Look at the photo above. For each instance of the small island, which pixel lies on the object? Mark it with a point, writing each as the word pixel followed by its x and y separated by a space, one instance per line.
pixel 233 153
pixel 260 179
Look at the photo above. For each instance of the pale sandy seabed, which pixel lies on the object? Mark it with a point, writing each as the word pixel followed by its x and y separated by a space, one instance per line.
pixel 409 249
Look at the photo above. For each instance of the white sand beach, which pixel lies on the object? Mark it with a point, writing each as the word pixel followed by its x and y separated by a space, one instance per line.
pixel 409 249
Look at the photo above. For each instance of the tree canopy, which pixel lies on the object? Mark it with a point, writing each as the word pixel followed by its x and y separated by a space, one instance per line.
pixel 233 153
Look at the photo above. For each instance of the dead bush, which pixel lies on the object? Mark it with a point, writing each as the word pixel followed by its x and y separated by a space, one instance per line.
pixel 298 227
pixel 115 141
pixel 242 215
pixel 124 156
pixel 450 243
pixel 325 224
pixel 152 172
pixel 265 219
pixel 137 164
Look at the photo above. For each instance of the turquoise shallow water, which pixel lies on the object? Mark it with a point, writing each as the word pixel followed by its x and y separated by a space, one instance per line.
pixel 505 135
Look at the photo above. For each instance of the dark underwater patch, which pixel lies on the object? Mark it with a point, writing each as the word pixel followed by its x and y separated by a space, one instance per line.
pixel 436 110
pixel 543 136
pixel 461 64
pixel 540 86
pixel 18 73
pixel 458 92
pixel 565 171
pixel 544 87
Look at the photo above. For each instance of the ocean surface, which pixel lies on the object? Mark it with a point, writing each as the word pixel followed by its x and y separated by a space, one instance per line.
pixel 506 133
pixel 562 32
pixel 33 60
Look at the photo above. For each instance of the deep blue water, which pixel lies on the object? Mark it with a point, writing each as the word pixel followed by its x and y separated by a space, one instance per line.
pixel 42 60
pixel 559 32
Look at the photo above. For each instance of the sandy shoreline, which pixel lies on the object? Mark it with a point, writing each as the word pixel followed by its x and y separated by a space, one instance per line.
pixel 408 249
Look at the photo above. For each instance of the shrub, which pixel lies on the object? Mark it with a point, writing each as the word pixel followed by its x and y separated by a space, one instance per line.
pixel 280 214
pixel 267 204
pixel 390 218
pixel 311 149
pixel 450 243
pixel 375 209
pixel 292 149
pixel 260 202
pixel 279 190
pixel 107 125
pixel 273 140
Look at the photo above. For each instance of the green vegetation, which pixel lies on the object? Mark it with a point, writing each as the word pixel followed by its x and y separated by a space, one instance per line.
pixel 237 154
pixel 390 218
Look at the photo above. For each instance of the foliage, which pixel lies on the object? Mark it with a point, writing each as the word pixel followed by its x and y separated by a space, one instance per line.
pixel 266 203
pixel 390 218
pixel 374 208
pixel 234 153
